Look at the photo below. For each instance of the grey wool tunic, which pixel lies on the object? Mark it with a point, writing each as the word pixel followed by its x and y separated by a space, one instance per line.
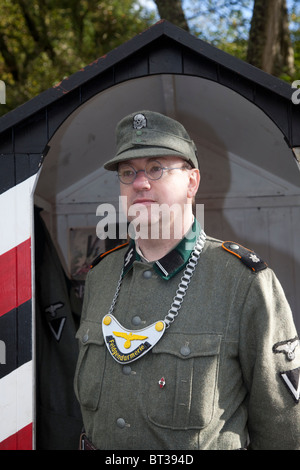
pixel 224 373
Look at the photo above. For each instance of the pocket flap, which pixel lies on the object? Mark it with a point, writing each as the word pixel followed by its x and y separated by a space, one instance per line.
pixel 186 345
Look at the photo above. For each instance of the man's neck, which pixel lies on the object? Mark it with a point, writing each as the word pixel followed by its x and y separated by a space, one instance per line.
pixel 155 249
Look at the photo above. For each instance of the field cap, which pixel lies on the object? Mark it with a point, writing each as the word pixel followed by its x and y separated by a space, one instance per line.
pixel 150 134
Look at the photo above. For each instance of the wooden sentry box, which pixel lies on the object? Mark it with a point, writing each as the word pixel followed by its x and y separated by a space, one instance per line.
pixel 52 151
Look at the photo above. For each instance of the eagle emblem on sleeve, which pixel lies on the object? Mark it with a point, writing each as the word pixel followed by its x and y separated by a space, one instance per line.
pixel 287 347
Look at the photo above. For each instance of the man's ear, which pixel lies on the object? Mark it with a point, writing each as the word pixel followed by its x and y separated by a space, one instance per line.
pixel 194 181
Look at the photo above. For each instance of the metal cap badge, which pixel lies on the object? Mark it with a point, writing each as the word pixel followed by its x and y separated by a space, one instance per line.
pixel 151 134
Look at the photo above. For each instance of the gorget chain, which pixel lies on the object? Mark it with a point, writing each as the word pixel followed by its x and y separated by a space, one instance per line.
pixel 182 286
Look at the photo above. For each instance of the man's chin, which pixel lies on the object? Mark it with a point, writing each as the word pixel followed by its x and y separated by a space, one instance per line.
pixel 144 228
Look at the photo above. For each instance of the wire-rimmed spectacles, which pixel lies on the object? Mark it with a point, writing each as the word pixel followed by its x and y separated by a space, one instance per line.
pixel 153 171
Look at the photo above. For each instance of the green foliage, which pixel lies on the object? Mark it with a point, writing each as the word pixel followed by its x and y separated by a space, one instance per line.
pixel 226 25
pixel 295 37
pixel 216 20
pixel 43 41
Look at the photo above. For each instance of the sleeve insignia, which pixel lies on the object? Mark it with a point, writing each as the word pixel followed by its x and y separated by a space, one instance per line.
pixel 287 347
pixel 55 323
pixel 248 257
pixel 291 379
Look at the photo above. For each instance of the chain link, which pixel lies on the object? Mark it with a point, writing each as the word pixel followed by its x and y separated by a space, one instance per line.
pixel 111 309
pixel 182 286
pixel 185 280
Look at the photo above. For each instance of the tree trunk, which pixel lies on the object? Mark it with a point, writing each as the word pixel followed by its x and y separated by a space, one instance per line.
pixel 270 47
pixel 171 10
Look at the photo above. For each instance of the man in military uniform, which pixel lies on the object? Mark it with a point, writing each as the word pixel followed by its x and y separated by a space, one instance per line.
pixel 185 342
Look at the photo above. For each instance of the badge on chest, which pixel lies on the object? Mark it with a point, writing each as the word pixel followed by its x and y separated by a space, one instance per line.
pixel 126 345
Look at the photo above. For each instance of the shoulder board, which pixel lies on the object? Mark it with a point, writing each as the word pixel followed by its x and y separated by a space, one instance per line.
pixel 248 257
pixel 102 255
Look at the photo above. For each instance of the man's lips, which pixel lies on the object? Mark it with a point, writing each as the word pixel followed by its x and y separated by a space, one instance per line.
pixel 143 200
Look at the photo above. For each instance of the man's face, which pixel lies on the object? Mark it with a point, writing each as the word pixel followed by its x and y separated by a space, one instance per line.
pixel 145 199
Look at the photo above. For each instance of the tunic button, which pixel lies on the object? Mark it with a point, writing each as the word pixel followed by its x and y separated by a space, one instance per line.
pixel 126 370
pixel 85 338
pixel 234 247
pixel 147 274
pixel 121 423
pixel 185 351
pixel 136 321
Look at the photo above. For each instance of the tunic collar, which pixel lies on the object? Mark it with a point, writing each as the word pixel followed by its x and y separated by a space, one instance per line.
pixel 170 264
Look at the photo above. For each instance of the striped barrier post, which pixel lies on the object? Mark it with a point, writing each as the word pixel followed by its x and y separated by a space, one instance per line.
pixel 16 317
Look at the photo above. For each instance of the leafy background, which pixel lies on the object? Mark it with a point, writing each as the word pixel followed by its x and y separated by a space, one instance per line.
pixel 44 41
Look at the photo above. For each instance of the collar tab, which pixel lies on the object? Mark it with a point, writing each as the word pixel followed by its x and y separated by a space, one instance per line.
pixel 174 261
pixel 130 256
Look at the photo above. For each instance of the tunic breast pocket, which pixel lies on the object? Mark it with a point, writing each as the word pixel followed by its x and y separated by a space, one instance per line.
pixel 189 363
pixel 90 364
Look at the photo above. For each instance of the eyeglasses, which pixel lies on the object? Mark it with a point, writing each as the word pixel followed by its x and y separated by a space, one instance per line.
pixel 153 171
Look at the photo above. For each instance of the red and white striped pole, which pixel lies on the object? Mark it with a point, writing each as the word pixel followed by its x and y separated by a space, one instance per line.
pixel 16 317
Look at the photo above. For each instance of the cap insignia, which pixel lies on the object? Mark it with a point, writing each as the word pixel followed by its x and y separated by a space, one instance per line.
pixel 139 121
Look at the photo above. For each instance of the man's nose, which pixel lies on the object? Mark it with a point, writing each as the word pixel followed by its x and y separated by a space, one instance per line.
pixel 141 180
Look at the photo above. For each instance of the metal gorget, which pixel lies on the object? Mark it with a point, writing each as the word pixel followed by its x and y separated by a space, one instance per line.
pixel 127 346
